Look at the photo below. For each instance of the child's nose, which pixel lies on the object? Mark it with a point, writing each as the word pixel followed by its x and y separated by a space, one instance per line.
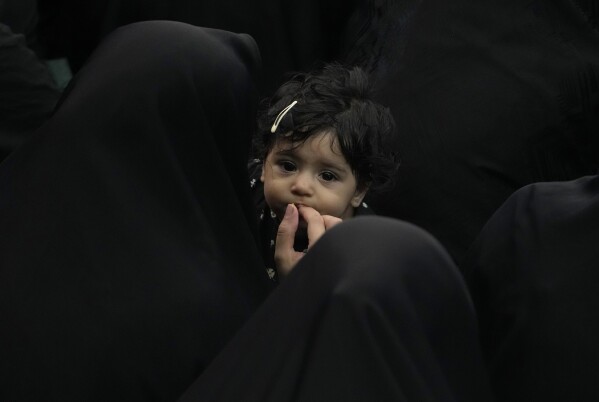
pixel 302 185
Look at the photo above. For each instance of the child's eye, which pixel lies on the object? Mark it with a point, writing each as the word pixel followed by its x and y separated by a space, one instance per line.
pixel 328 176
pixel 287 166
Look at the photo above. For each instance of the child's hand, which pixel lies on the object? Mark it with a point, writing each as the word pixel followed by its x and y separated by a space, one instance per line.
pixel 285 255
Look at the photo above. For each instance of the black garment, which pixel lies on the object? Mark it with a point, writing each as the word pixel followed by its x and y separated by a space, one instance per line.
pixel 291 35
pixel 21 16
pixel 128 257
pixel 127 248
pixel 486 96
pixel 376 311
pixel 534 279
pixel 28 92
pixel 267 220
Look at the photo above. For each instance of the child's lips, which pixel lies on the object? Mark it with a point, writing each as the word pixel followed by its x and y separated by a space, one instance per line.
pixel 302 224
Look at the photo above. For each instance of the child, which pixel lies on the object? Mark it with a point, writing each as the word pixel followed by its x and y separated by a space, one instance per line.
pixel 322 144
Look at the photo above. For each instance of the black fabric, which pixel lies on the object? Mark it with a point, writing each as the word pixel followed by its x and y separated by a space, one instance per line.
pixel 376 311
pixel 21 16
pixel 28 92
pixel 485 95
pixel 291 35
pixel 129 250
pixel 129 257
pixel 128 253
pixel 534 279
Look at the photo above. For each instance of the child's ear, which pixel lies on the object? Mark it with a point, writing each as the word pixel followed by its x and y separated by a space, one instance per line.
pixel 359 196
pixel 262 174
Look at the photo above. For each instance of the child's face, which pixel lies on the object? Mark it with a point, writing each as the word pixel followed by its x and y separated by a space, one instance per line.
pixel 314 174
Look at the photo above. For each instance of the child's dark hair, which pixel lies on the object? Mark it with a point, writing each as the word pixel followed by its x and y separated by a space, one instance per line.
pixel 334 99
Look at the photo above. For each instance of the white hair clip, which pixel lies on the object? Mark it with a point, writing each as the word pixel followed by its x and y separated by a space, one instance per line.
pixel 280 117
